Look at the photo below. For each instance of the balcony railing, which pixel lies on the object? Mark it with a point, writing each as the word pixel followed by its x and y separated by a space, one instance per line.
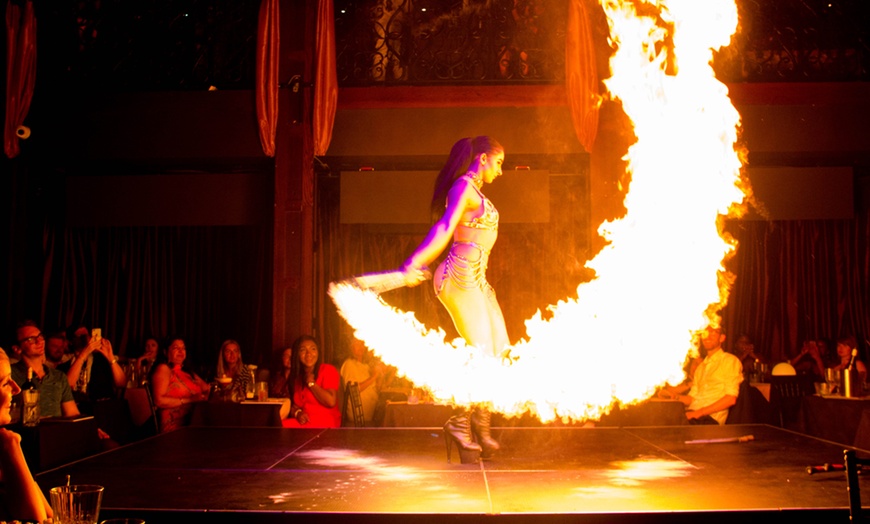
pixel 122 45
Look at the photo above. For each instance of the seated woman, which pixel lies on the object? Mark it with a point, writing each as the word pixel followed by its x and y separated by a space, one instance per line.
pixel 175 387
pixel 845 345
pixel 280 376
pixel 20 496
pixel 315 388
pixel 230 366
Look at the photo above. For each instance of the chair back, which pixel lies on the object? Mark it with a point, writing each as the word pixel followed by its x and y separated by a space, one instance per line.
pixel 854 465
pixel 354 400
pixel 786 392
pixel 142 410
pixel 751 407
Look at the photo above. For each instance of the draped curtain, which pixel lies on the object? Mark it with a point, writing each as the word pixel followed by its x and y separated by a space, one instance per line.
pixel 326 81
pixel 268 42
pixel 20 70
pixel 268 66
pixel 581 74
pixel 800 280
pixel 206 284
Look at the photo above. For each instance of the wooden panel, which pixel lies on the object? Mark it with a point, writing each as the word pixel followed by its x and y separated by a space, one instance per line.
pixel 803 193
pixel 214 199
pixel 402 197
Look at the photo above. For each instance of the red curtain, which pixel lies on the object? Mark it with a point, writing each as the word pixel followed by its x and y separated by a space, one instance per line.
pixel 800 280
pixel 581 75
pixel 326 83
pixel 268 40
pixel 136 282
pixel 20 70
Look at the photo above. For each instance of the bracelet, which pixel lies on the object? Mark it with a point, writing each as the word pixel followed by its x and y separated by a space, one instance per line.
pixel 115 361
pixel 297 412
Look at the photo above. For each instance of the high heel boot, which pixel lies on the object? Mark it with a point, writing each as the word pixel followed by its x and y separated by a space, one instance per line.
pixel 458 429
pixel 481 419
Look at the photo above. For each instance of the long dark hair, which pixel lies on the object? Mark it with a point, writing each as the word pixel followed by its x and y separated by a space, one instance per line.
pixel 163 357
pixel 463 152
pixel 279 385
pixel 297 369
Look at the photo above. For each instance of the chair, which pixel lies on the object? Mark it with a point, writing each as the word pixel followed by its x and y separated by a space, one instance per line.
pixel 751 407
pixel 854 465
pixel 786 392
pixel 142 410
pixel 351 394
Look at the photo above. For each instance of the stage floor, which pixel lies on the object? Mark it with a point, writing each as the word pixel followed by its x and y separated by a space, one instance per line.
pixel 638 474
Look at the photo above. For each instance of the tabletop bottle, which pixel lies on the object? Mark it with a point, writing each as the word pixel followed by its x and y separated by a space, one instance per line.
pixel 30 397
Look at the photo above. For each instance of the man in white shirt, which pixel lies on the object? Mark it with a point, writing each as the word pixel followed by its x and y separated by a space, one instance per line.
pixel 358 369
pixel 716 382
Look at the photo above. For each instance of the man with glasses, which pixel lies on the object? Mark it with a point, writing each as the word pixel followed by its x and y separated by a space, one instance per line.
pixel 55 394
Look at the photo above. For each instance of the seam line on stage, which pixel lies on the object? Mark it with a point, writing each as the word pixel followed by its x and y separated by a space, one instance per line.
pixel 297 448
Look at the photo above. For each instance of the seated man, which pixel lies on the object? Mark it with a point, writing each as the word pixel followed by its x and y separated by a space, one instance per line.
pixel 716 383
pixel 93 372
pixel 55 395
pixel 357 368
pixel 56 348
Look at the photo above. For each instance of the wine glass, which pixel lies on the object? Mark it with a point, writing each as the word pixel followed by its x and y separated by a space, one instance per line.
pixel 832 378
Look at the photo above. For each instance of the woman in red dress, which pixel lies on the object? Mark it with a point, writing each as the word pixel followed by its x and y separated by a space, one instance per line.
pixel 315 388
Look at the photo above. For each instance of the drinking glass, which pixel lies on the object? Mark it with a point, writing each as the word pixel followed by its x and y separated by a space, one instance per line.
pixel 76 504
pixel 832 377
pixel 262 391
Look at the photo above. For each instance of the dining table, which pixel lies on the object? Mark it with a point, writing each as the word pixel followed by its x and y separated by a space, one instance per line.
pixel 248 413
pixel 844 420
pixel 58 440
pixel 651 412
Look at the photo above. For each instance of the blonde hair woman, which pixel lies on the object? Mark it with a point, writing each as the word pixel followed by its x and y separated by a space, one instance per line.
pixel 230 365
pixel 20 497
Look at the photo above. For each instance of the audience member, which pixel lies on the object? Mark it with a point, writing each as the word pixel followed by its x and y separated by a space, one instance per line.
pixel 716 383
pixel 230 366
pixel 150 351
pixel 57 348
pixel 55 395
pixel 360 369
pixel 175 387
pixel 280 379
pixel 744 349
pixel 315 388
pixel 94 371
pixel 809 361
pixel 21 499
pixel 845 345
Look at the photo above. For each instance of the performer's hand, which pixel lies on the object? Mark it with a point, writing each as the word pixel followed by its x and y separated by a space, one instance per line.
pixel 414 276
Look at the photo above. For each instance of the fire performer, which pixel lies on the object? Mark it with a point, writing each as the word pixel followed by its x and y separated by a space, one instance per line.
pixel 470 221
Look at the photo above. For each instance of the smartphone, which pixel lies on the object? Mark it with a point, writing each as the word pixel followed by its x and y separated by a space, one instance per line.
pixel 97 333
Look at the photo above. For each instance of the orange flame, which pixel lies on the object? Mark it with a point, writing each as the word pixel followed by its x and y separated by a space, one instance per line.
pixel 658 281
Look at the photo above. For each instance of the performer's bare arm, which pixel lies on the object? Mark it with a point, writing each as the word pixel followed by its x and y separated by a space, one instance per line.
pixel 461 197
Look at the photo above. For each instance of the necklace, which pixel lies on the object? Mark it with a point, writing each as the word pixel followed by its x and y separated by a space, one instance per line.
pixel 477 178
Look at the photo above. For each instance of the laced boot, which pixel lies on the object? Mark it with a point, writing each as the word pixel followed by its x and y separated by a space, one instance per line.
pixel 481 419
pixel 458 429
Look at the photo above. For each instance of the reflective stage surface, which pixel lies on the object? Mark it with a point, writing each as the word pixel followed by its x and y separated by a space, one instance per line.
pixel 638 474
